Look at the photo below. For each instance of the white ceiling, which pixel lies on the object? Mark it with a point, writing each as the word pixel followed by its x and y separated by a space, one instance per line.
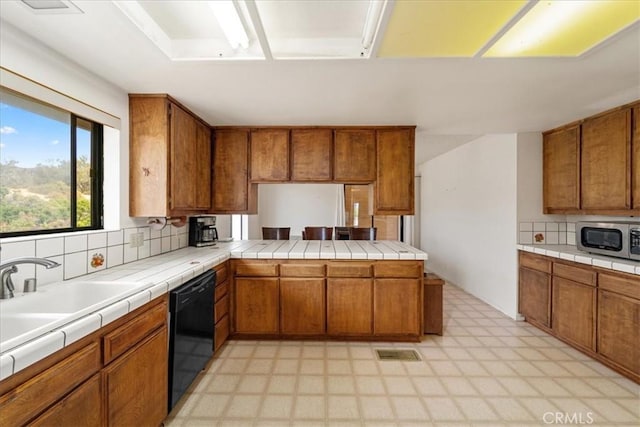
pixel 450 100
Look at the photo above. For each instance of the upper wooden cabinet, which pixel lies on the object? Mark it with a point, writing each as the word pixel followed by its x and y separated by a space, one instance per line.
pixel 561 170
pixel 635 159
pixel 593 167
pixel 354 156
pixel 394 188
pixel 606 162
pixel 168 152
pixel 311 154
pixel 232 191
pixel 269 155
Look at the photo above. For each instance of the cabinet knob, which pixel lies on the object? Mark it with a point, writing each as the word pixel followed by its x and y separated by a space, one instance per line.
pixel 146 171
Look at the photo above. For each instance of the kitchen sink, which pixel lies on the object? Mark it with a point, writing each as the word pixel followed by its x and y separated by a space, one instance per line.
pixel 29 315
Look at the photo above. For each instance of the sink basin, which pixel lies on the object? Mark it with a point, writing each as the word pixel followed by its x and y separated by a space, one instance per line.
pixel 69 297
pixel 30 315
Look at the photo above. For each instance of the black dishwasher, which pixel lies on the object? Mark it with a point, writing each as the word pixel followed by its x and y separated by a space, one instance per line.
pixel 191 330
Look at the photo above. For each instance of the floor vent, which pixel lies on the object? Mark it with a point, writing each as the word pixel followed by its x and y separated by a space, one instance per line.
pixel 402 355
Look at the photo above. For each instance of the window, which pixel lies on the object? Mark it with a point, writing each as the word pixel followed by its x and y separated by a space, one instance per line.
pixel 50 168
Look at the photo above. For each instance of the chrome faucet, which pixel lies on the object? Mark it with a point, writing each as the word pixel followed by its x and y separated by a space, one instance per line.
pixel 10 267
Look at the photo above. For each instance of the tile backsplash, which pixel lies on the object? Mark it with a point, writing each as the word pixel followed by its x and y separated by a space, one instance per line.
pixel 86 253
pixel 546 233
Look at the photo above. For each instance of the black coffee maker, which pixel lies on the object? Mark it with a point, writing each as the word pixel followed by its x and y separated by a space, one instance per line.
pixel 202 230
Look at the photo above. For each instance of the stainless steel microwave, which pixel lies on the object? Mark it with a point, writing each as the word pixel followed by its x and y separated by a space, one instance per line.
pixel 618 239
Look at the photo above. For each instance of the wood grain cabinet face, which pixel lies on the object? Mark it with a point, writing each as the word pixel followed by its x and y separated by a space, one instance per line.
pixel 136 384
pixel 355 156
pixel 349 306
pixel 394 188
pixel 396 304
pixel 302 306
pixel 311 155
pixel 257 305
pixel 231 190
pixel 574 312
pixel 535 296
pixel 635 159
pixel 606 162
pixel 82 407
pixel 169 161
pixel 269 155
pixel 561 170
pixel 619 330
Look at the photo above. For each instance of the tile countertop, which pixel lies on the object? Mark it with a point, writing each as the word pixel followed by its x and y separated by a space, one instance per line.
pixel 160 274
pixel 571 253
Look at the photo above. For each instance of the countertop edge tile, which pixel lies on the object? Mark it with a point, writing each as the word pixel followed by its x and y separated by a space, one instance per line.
pixel 33 351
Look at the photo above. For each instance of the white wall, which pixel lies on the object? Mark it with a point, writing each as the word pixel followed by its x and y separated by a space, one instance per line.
pixel 22 55
pixel 295 206
pixel 469 218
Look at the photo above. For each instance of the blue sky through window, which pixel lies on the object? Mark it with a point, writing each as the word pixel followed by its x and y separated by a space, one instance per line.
pixel 31 138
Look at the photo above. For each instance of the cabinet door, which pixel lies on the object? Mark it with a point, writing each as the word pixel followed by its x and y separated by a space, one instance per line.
pixel 82 407
pixel 561 170
pixel 232 192
pixel 256 305
pixel 635 159
pixel 222 332
pixel 269 155
pixel 349 306
pixel 574 312
pixel 535 296
pixel 355 156
pixel 136 384
pixel 184 160
pixel 302 306
pixel 148 156
pixel 619 330
pixel 606 162
pixel 397 307
pixel 203 166
pixel 311 154
pixel 394 189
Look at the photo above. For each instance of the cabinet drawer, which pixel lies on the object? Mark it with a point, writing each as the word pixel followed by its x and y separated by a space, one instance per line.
pixel 398 269
pixel 585 276
pixel 221 308
pixel 535 262
pixel 624 284
pixel 349 269
pixel 32 397
pixel 221 290
pixel 128 335
pixel 302 270
pixel 221 272
pixel 256 269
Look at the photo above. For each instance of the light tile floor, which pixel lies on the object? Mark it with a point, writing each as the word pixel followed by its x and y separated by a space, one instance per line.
pixel 486 370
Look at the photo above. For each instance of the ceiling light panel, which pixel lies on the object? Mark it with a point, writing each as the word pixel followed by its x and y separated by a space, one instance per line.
pixel 51 6
pixel 189 30
pixel 445 28
pixel 313 28
pixel 565 28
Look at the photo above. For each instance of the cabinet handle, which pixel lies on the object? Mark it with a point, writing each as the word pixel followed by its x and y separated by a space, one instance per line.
pixel 146 171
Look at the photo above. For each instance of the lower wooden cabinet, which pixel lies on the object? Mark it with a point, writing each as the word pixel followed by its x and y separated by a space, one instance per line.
pixel 82 407
pixel 396 303
pixel 256 305
pixel 574 312
pixel 593 309
pixel 619 330
pixel 535 296
pixel 349 308
pixel 375 300
pixel 136 384
pixel 302 306
pixel 116 376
